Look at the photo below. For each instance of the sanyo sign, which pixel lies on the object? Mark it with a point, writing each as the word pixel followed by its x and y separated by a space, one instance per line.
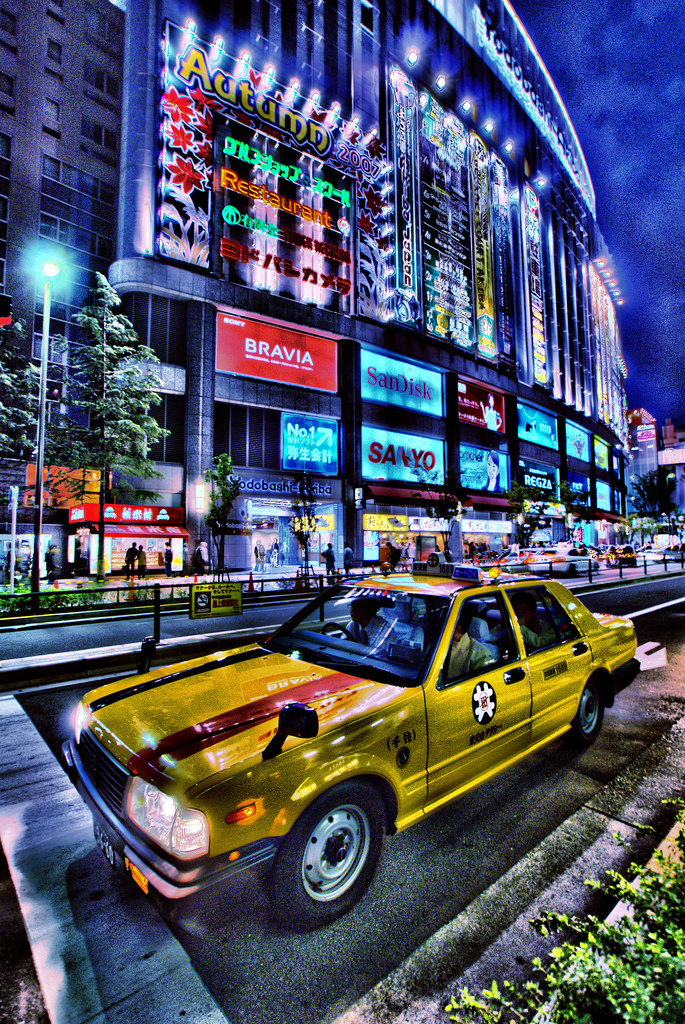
pixel 390 455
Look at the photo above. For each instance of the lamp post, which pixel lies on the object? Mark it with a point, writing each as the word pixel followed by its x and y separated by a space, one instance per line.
pixel 50 272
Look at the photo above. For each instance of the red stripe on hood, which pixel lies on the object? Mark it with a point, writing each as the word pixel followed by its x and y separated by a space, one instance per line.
pixel 194 738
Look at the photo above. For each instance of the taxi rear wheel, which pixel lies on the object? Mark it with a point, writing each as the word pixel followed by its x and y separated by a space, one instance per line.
pixel 328 858
pixel 589 716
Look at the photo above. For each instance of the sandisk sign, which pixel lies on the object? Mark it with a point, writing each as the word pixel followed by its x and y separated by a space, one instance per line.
pixel 389 455
pixel 255 348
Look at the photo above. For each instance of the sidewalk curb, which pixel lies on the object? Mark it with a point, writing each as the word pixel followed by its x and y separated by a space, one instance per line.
pixel 582 847
pixel 86 976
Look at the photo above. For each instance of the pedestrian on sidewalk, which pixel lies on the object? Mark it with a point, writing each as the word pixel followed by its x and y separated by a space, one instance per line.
pixel 168 558
pixel 142 563
pixel 130 559
pixel 329 559
pixel 348 558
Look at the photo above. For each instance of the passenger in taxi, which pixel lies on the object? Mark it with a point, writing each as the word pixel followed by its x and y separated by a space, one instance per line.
pixel 535 632
pixel 467 654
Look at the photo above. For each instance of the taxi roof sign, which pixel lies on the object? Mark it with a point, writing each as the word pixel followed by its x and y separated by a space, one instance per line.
pixel 437 565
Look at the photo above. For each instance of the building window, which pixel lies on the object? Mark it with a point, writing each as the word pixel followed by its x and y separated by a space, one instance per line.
pixel 367 17
pixel 100 79
pixel 104 29
pixel 6 84
pixel 5 146
pixel 51 110
pixel 98 134
pixel 54 51
pixel 249 435
pixel 160 323
pixel 8 22
pixel 170 415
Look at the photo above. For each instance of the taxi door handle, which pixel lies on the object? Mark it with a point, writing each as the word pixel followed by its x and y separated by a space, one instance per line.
pixel 514 675
pixel 580 648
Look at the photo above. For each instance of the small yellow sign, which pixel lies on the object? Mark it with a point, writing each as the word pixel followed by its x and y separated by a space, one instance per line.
pixel 385 523
pixel 210 599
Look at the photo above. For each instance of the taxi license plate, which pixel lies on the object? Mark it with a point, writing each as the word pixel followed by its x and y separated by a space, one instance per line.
pixel 104 844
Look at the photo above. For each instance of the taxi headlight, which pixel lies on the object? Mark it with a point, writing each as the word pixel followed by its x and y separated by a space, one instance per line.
pixel 180 830
pixel 80 719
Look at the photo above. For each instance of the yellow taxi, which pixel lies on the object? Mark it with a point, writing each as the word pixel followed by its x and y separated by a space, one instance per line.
pixel 378 703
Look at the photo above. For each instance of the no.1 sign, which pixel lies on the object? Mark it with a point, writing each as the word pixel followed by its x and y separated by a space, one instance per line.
pixel 309 443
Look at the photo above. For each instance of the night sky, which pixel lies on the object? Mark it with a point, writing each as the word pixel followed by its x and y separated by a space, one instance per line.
pixel 620 70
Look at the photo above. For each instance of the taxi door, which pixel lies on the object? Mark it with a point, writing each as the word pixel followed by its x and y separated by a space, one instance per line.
pixel 559 659
pixel 478 709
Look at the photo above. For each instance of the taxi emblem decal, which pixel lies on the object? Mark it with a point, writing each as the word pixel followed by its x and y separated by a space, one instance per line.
pixel 484 703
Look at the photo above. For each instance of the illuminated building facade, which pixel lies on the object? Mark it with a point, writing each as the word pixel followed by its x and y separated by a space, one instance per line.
pixel 362 239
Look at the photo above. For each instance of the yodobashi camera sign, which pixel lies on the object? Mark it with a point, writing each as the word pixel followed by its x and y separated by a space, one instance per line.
pixel 390 455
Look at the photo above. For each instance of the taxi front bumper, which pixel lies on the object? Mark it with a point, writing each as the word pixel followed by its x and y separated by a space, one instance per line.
pixel 170 876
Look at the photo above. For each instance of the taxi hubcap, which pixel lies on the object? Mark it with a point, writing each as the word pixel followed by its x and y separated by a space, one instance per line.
pixel 335 853
pixel 588 710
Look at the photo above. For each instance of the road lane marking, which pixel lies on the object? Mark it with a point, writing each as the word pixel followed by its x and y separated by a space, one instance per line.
pixel 657 659
pixel 654 608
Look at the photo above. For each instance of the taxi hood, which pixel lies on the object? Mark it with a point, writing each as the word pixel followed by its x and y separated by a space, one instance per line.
pixel 155 722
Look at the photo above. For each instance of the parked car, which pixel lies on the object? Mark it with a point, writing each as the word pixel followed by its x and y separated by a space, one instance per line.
pixel 557 562
pixel 375 705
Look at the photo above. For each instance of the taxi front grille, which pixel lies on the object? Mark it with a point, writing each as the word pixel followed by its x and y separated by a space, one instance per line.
pixel 107 775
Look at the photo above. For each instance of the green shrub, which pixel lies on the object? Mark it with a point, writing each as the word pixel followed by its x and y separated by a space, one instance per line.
pixel 628 972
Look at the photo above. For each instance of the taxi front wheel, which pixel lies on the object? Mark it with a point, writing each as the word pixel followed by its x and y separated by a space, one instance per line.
pixel 328 858
pixel 589 716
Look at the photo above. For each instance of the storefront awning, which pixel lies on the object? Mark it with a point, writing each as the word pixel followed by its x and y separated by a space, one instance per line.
pixel 142 530
pixel 404 497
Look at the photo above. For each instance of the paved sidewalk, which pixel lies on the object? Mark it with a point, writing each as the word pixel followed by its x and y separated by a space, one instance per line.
pixel 133 973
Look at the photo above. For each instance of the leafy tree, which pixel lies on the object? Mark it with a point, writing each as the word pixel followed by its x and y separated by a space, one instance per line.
pixel 109 388
pixel 527 504
pixel 19 382
pixel 225 489
pixel 652 492
pixel 444 501
pixel 303 508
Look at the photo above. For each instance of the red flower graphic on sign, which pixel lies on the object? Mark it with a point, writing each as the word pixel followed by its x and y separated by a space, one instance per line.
pixel 201 101
pixel 203 120
pixel 178 136
pixel 375 147
pixel 365 223
pixel 185 175
pixel 179 108
pixel 206 153
pixel 374 201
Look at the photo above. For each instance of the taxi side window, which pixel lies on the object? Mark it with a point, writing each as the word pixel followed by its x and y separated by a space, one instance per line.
pixel 542 619
pixel 565 627
pixel 482 640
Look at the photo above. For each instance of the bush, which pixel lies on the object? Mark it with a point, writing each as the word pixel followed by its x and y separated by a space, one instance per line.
pixel 628 972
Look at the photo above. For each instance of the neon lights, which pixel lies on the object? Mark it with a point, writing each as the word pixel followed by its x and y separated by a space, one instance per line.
pixel 501 224
pixel 403 114
pixel 480 203
pixel 537 312
pixel 231 181
pixel 266 163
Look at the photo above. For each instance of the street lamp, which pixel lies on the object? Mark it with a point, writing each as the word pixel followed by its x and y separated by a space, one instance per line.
pixel 50 272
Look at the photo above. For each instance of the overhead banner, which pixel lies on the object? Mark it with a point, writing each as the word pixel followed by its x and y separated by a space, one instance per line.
pixel 532 474
pixel 480 201
pixel 391 455
pixel 446 225
pixel 537 426
pixel 501 223
pixel 531 213
pixel 577 442
pixel 483 469
pixel 403 122
pixel 256 348
pixel 481 407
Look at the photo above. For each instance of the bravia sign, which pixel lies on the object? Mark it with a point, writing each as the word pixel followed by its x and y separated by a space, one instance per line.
pixel 255 348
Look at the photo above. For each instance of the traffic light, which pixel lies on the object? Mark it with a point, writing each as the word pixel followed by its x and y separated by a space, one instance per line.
pixel 5 310
pixel 55 383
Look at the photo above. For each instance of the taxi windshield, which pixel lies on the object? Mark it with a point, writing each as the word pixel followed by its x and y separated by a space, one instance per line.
pixel 386 635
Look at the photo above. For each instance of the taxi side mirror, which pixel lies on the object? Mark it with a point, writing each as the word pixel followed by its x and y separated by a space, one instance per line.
pixel 295 719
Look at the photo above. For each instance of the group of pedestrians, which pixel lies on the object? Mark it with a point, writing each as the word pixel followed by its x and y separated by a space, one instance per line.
pixel 135 559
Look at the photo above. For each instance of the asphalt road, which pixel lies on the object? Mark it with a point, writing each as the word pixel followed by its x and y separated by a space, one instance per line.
pixel 259 973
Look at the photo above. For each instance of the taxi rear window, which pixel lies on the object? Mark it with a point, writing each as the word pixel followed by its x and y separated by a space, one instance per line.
pixel 386 635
